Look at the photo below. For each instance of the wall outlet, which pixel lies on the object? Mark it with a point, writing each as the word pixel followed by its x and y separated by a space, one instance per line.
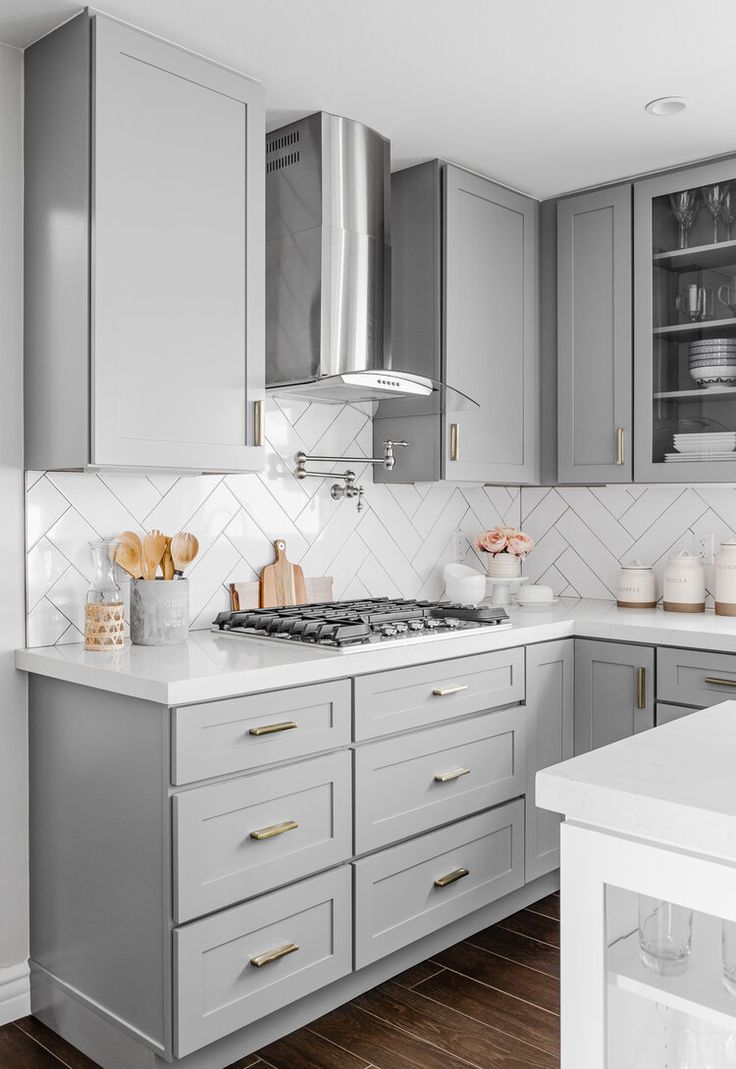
pixel 460 545
pixel 704 547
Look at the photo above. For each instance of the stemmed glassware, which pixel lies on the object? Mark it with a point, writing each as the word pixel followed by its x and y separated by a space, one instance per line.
pixel 685 206
pixel 728 211
pixel 713 198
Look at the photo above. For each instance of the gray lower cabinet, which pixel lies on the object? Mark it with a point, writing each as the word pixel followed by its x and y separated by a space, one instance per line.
pixel 614 692
pixel 144 252
pixel 695 677
pixel 594 337
pixel 550 714
pixel 666 713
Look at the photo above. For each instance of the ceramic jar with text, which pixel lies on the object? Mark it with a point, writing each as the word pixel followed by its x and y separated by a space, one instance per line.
pixel 683 583
pixel 726 579
pixel 637 587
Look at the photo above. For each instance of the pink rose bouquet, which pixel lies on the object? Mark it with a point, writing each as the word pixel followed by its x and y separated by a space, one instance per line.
pixel 505 540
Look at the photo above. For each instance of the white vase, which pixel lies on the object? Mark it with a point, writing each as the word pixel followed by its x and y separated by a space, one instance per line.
pixel 504 566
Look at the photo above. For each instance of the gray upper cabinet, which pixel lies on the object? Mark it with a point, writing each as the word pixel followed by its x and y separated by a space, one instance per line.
pixel 144 255
pixel 465 276
pixel 614 692
pixel 594 337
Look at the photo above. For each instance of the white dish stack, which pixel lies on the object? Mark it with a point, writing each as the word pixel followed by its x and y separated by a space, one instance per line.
pixel 708 445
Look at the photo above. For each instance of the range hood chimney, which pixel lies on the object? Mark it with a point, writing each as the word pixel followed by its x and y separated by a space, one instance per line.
pixel 328 267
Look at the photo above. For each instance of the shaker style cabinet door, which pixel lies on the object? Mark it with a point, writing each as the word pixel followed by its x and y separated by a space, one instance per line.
pixel 491 286
pixel 594 337
pixel 614 692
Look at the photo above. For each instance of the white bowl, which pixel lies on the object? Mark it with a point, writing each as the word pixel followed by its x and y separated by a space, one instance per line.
pixel 535 593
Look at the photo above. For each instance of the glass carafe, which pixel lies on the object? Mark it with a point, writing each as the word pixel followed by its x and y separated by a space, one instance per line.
pixel 104 616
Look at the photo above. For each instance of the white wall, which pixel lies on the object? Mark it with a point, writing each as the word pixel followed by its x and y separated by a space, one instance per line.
pixel 13 720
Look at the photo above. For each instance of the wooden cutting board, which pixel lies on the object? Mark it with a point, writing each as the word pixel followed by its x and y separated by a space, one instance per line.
pixel 282 583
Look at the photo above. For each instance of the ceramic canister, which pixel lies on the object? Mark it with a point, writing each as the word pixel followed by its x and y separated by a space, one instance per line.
pixel 636 586
pixel 159 611
pixel 726 579
pixel 683 583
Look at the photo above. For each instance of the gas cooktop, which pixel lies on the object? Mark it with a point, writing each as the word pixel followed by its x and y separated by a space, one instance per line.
pixel 350 625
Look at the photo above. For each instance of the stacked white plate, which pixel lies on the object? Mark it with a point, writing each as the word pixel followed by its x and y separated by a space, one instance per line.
pixel 709 445
pixel 713 362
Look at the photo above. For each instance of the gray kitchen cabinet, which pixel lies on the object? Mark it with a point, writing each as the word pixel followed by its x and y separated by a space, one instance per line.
pixel 594 337
pixel 666 713
pixel 550 717
pixel 144 256
pixel 465 292
pixel 695 677
pixel 614 692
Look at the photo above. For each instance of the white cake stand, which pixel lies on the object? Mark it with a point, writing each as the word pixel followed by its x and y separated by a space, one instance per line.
pixel 503 587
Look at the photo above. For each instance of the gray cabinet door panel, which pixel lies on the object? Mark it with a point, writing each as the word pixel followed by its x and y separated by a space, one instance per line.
pixel 550 714
pixel 606 692
pixel 406 698
pixel 666 713
pixel 682 676
pixel 491 293
pixel 594 336
pixel 398 781
pixel 397 900
pixel 178 251
pixel 214 738
pixel 217 859
pixel 218 989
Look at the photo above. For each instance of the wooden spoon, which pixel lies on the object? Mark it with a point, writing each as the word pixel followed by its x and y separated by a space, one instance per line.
pixel 184 548
pixel 129 554
pixel 154 547
pixel 167 565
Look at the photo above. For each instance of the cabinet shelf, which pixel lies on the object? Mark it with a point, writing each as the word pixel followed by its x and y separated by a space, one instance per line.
pixel 684 395
pixel 722 254
pixel 687 330
pixel 698 992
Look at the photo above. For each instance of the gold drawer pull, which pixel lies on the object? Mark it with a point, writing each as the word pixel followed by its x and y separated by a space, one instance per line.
pixel 716 681
pixel 442 692
pixel 275 829
pixel 454 441
pixel 271 729
pixel 259 422
pixel 273 955
pixel 451 877
pixel 641 688
pixel 620 449
pixel 446 777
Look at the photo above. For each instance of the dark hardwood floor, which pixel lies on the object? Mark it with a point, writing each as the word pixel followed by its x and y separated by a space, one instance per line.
pixel 491 1002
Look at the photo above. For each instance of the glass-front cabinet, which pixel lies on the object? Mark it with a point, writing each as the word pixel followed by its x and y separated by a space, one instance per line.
pixel 685 325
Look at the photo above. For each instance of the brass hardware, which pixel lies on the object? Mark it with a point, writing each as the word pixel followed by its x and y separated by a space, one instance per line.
pixel 271 729
pixel 451 877
pixel 446 777
pixel 716 681
pixel 275 829
pixel 258 416
pixel 454 441
pixel 273 955
pixel 641 688
pixel 442 692
pixel 620 451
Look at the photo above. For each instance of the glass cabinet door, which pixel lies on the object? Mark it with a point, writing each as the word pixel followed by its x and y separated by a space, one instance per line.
pixel 685 325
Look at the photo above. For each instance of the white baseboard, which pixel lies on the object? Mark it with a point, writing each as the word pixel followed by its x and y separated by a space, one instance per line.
pixel 15 992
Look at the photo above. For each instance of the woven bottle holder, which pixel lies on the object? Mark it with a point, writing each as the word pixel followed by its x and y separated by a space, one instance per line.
pixel 104 627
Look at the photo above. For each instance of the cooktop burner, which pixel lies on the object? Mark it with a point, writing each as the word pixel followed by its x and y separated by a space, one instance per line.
pixel 360 624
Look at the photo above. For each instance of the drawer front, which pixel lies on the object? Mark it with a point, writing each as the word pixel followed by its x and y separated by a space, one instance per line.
pixel 667 713
pixel 237 839
pixel 691 677
pixel 409 891
pixel 411 783
pixel 219 985
pixel 215 738
pixel 429 693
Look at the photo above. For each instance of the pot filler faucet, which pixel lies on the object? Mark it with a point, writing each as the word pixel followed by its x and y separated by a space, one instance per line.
pixel 347 488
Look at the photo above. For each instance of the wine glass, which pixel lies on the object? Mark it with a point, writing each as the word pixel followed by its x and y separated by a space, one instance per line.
pixel 713 198
pixel 685 206
pixel 728 211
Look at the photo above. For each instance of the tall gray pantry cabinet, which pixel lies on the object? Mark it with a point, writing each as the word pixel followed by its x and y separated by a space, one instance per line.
pixel 144 251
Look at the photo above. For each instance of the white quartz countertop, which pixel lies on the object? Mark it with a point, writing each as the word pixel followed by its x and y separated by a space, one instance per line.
pixel 210 666
pixel 675 784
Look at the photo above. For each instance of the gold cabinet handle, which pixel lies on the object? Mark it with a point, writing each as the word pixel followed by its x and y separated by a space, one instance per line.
pixel 442 692
pixel 641 688
pixel 447 777
pixel 451 877
pixel 273 955
pixel 258 421
pixel 716 681
pixel 454 441
pixel 274 830
pixel 620 447
pixel 271 729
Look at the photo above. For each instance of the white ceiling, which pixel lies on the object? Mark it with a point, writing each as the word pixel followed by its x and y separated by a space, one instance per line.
pixel 544 96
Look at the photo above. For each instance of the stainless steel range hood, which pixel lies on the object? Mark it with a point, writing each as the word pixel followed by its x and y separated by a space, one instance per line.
pixel 328 268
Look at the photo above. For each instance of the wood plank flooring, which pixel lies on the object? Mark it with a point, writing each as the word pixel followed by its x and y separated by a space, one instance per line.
pixel 490 1002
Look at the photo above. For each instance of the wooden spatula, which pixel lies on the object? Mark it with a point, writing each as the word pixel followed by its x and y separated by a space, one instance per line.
pixel 282 583
pixel 154 547
pixel 129 554
pixel 184 548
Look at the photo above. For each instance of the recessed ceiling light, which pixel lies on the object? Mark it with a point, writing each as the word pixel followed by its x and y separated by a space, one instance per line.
pixel 667 105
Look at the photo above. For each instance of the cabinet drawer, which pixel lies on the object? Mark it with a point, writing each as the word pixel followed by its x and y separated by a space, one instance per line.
pixel 429 693
pixel 215 738
pixel 398 893
pixel 667 713
pixel 236 839
pixel 683 676
pixel 415 782
pixel 218 985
